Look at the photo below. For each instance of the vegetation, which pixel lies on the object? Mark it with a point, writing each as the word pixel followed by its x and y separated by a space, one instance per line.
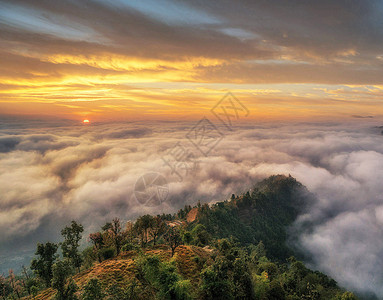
pixel 61 273
pixel 72 237
pixel 234 249
pixel 43 264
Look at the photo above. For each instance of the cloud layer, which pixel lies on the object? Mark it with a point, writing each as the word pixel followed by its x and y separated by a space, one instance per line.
pixel 89 173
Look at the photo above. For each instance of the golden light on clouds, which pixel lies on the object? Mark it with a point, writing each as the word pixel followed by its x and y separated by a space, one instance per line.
pixel 109 63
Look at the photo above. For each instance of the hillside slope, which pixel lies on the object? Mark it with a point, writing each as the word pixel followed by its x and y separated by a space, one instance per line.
pixel 121 270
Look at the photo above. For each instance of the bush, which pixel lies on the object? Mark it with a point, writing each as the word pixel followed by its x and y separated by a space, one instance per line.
pixel 200 261
pixel 62 271
pixel 34 290
pixel 89 257
pixel 162 279
pixel 182 290
pixel 200 235
pixel 129 292
pixel 93 290
pixel 346 296
pixel 187 237
pixel 107 253
pixel 129 247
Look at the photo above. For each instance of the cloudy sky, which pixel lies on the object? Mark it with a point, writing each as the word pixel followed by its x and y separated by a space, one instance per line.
pixel 109 60
pixel 308 76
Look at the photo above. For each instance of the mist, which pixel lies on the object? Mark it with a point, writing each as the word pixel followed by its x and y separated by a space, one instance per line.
pixel 50 175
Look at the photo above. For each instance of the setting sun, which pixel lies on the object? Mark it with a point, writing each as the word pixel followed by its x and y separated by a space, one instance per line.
pixel 86 121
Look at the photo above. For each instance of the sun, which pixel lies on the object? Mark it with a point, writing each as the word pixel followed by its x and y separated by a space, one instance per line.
pixel 86 121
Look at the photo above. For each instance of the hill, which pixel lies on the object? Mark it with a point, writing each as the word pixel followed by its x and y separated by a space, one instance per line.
pixel 262 214
pixel 235 249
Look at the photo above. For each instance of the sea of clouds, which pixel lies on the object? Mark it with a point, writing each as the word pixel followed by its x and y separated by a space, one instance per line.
pixel 53 172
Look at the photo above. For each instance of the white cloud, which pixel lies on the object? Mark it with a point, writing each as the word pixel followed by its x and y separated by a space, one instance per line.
pixel 89 174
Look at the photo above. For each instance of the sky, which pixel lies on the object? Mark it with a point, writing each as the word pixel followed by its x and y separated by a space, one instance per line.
pixel 273 87
pixel 173 60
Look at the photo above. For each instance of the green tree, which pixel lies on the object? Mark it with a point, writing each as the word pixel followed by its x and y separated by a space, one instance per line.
pixel 259 251
pixel 229 275
pixel 116 234
pixel 42 265
pixel 34 290
pixel 187 237
pixel 200 235
pixel 158 227
pixel 275 291
pixel 240 276
pixel 173 238
pixel 107 253
pixel 61 272
pixel 346 296
pixel 215 284
pixel 72 236
pixel 98 243
pixel 142 227
pixel 89 257
pixel 93 290
pixel 161 280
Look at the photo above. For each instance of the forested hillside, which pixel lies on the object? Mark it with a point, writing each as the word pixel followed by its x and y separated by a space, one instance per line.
pixel 262 214
pixel 235 249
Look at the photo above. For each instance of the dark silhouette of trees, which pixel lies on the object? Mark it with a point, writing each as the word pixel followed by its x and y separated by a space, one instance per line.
pixel 173 238
pixel 98 242
pixel 42 265
pixel 142 227
pixel 200 235
pixel 116 234
pixel 72 236
pixel 62 270
pixel 130 234
pixel 158 227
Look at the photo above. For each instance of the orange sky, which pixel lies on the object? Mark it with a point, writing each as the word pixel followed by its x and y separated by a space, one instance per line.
pixel 134 61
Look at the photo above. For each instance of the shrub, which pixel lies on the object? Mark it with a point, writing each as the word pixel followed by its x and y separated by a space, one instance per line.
pixel 107 253
pixel 129 247
pixel 93 290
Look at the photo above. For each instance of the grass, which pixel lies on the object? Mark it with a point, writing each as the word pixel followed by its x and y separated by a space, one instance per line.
pixel 120 270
